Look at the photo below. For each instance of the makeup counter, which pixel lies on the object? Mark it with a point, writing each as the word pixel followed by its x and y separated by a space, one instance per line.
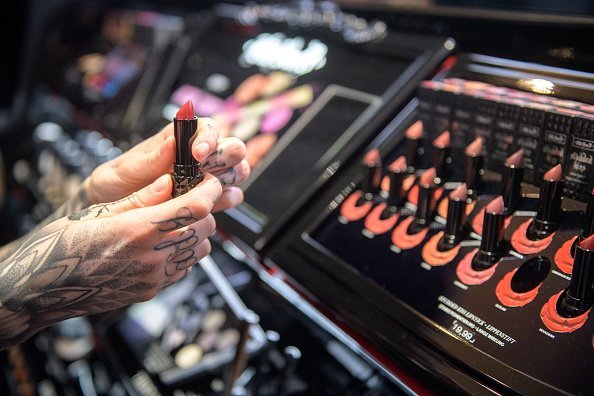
pixel 416 221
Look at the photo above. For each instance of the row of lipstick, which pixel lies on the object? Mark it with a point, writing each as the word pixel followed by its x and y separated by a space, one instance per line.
pixel 424 194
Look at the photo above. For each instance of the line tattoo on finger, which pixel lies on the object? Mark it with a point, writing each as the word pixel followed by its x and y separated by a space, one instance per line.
pixel 183 218
pixel 183 255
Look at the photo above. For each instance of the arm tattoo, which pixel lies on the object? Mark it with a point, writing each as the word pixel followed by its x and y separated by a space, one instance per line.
pixel 74 203
pixel 61 272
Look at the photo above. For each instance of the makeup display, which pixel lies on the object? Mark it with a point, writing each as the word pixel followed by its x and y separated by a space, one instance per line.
pixel 477 241
pixel 283 89
pixel 419 217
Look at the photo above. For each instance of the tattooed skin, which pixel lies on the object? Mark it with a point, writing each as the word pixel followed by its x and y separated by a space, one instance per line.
pixel 77 266
pixel 75 203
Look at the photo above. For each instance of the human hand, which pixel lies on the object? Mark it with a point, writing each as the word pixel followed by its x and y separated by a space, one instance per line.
pixel 106 256
pixel 154 157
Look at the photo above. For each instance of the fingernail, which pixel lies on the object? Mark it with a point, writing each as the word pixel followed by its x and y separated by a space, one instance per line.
pixel 160 184
pixel 203 148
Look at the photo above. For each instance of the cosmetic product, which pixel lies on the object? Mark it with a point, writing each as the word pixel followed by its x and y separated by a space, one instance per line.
pixel 579 162
pixel 549 205
pixel 461 127
pixel 246 127
pixel 426 203
pixel 511 184
pixel 489 252
pixel 443 109
pixel 521 285
pixel 555 138
pixel 455 220
pixel 372 173
pixel 441 157
pixel 276 120
pixel 385 215
pixel 277 82
pixel 188 356
pixel 250 88
pixel 426 94
pixel 528 136
pixel 414 135
pixel 396 173
pixel 187 172
pixel 484 119
pixel 579 295
pixel 474 168
pixel 258 146
pixel 506 118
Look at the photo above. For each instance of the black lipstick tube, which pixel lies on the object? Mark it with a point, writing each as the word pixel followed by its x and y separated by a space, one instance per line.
pixel 549 210
pixel 489 252
pixel 372 177
pixel 411 153
pixel 588 227
pixel 425 209
pixel 473 174
pixel 511 188
pixel 442 160
pixel 187 172
pixel 395 193
pixel 455 221
pixel 579 295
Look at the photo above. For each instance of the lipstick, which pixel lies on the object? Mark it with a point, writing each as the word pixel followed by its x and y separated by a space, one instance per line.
pixel 441 157
pixel 579 295
pixel 187 172
pixel 511 185
pixel 549 205
pixel 474 167
pixel 588 227
pixel 426 202
pixel 413 134
pixel 396 173
pixel 372 174
pixel 456 219
pixel 489 252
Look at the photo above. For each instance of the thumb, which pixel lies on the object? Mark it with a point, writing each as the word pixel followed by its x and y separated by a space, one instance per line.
pixel 155 193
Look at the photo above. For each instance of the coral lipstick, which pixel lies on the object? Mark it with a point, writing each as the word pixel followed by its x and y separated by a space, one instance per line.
pixel 187 172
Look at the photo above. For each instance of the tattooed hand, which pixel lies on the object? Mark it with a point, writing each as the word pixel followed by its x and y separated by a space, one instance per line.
pixel 142 164
pixel 105 257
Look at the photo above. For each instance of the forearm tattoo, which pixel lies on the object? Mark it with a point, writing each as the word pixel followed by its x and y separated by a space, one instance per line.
pixel 73 204
pixel 60 272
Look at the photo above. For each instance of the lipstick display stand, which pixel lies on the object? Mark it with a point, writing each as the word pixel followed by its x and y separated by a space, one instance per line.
pixel 490 299
pixel 405 228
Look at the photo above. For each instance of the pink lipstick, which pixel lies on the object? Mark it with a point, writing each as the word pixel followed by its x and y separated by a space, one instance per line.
pixel 549 205
pixel 187 172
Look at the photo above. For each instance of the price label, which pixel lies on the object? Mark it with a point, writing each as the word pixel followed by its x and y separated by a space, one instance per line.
pixel 462 331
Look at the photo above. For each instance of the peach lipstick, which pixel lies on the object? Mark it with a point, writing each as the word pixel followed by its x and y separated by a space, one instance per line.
pixel 187 172
pixel 456 219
